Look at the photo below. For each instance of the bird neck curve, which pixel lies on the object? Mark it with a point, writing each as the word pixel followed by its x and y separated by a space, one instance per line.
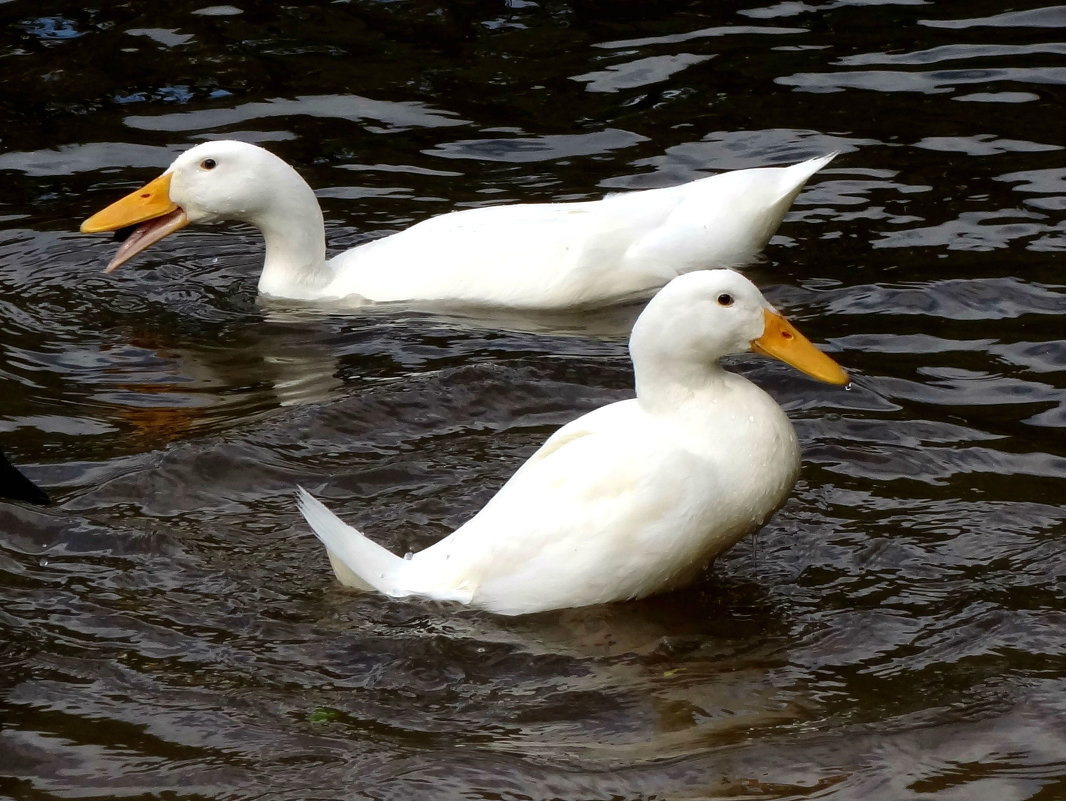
pixel 295 234
pixel 667 386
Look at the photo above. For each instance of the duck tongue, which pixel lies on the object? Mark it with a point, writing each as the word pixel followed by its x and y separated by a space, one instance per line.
pixel 136 239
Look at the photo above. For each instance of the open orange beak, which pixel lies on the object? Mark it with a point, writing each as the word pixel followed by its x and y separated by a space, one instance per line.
pixel 781 340
pixel 149 208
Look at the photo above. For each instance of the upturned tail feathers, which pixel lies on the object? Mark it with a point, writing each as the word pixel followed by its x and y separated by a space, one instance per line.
pixel 799 174
pixel 374 565
pixel 369 561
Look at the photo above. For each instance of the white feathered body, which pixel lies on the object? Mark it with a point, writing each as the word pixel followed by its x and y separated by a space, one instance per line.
pixel 523 256
pixel 635 497
pixel 618 504
pixel 558 255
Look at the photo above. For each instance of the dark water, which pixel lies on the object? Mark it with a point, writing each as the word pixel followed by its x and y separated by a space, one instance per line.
pixel 169 626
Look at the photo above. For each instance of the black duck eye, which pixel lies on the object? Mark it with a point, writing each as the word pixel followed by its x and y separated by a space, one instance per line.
pixel 725 299
pixel 208 164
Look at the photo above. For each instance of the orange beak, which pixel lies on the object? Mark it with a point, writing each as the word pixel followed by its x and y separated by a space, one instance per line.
pixel 781 340
pixel 149 208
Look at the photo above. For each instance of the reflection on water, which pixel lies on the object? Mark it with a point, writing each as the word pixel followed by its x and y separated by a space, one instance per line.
pixel 170 625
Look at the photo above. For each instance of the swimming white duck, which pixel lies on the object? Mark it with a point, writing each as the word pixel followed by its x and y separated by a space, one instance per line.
pixel 633 498
pixel 527 256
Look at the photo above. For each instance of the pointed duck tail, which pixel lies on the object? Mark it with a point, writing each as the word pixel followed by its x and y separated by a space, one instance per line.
pixel 373 566
pixel 794 178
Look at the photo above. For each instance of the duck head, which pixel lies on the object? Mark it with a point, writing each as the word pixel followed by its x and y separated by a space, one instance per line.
pixel 702 316
pixel 224 180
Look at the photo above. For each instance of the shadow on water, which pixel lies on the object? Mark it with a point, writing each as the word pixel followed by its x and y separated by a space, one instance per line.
pixel 169 625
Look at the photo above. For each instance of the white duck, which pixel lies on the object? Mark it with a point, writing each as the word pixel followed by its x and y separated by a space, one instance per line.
pixel 528 256
pixel 635 497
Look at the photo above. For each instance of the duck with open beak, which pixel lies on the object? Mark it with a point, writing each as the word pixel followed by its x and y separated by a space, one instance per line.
pixel 150 209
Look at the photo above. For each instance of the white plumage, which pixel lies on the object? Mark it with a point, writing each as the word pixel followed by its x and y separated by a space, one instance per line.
pixel 529 256
pixel 633 498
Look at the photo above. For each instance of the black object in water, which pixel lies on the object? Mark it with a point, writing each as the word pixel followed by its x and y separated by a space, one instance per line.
pixel 15 485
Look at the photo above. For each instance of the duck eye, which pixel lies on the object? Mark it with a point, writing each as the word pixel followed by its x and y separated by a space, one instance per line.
pixel 725 299
pixel 208 164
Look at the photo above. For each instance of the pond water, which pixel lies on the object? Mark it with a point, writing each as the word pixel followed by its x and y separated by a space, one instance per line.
pixel 170 628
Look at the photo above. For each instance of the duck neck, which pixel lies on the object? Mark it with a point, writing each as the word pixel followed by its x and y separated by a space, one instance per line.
pixel 292 225
pixel 667 387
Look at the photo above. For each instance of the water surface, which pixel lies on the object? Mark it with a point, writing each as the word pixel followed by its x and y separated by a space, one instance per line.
pixel 170 627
